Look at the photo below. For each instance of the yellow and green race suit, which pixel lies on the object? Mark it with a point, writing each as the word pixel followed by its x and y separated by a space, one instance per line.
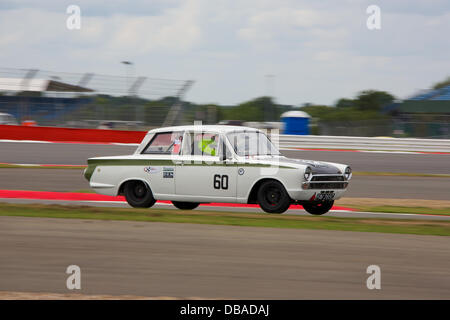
pixel 205 146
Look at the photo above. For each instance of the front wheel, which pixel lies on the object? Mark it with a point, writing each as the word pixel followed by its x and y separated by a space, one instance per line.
pixel 318 208
pixel 185 205
pixel 138 194
pixel 273 197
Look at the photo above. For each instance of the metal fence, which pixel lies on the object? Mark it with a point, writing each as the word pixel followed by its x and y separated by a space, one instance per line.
pixel 128 113
pixel 356 128
pixel 146 87
pixel 81 99
pixel 364 143
pixel 386 127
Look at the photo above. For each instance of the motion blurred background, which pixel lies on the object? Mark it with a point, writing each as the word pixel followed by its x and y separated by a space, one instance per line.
pixel 98 101
pixel 377 99
pixel 171 62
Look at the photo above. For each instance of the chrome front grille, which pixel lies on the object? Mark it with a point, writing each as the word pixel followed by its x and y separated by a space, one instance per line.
pixel 328 178
pixel 328 185
pixel 326 182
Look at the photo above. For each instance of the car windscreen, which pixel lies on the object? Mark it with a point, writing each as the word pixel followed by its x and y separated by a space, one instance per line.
pixel 251 143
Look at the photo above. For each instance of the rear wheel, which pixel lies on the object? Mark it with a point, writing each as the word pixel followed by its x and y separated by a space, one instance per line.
pixel 318 208
pixel 138 194
pixel 185 205
pixel 273 197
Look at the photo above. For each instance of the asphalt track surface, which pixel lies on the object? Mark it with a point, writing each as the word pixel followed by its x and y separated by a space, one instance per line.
pixel 189 260
pixel 77 154
pixel 398 187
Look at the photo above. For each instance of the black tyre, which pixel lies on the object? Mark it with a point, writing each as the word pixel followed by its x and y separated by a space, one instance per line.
pixel 318 208
pixel 138 194
pixel 185 205
pixel 273 197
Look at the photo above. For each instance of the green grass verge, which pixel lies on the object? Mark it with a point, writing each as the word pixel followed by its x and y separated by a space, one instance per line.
pixel 397 209
pixel 402 226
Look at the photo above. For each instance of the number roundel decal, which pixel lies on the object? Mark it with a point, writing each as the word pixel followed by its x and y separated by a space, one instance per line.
pixel 220 182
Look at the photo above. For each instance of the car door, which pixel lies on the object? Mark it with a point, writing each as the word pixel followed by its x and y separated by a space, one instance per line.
pixel 202 175
pixel 160 156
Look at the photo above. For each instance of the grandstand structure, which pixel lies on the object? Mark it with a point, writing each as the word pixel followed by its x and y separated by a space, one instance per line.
pixel 84 99
pixel 441 94
pixel 426 114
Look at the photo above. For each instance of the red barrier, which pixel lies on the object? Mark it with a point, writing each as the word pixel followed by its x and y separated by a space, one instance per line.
pixel 55 134
pixel 75 196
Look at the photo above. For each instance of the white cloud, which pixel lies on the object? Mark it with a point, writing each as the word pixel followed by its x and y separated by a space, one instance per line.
pixel 281 22
pixel 319 51
pixel 176 29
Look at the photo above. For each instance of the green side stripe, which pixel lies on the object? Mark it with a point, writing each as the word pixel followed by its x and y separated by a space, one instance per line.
pixel 92 164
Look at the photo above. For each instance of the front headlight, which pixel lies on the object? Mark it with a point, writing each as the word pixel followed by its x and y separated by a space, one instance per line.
pixel 348 173
pixel 308 173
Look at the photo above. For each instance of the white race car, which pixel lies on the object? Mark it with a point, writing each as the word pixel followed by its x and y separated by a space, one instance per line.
pixel 190 165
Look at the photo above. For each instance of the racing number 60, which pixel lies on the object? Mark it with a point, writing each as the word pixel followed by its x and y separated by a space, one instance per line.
pixel 220 182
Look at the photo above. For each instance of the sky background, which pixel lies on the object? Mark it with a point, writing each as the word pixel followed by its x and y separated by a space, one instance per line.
pixel 318 51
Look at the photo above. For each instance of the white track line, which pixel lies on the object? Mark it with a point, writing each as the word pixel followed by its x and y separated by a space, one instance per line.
pixel 357 150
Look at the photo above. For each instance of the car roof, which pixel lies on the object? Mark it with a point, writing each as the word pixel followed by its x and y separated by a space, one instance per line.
pixel 214 128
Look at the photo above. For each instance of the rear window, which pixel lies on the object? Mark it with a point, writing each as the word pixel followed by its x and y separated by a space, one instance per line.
pixel 165 143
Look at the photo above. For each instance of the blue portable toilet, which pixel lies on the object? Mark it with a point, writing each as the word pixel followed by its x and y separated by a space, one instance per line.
pixel 296 122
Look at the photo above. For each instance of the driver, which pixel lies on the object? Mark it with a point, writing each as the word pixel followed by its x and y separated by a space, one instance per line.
pixel 207 145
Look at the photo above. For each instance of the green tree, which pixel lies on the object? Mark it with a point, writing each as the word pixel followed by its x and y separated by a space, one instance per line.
pixel 345 103
pixel 442 84
pixel 326 113
pixel 373 100
pixel 259 109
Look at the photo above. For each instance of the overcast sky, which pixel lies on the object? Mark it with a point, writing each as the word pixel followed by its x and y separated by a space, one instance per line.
pixel 318 51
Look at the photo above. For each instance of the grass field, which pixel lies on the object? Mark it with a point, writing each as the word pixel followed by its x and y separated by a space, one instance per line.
pixel 441 228
pixel 399 209
pixel 383 205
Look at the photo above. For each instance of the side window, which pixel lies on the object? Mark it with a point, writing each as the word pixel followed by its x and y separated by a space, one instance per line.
pixel 165 143
pixel 202 143
pixel 187 144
